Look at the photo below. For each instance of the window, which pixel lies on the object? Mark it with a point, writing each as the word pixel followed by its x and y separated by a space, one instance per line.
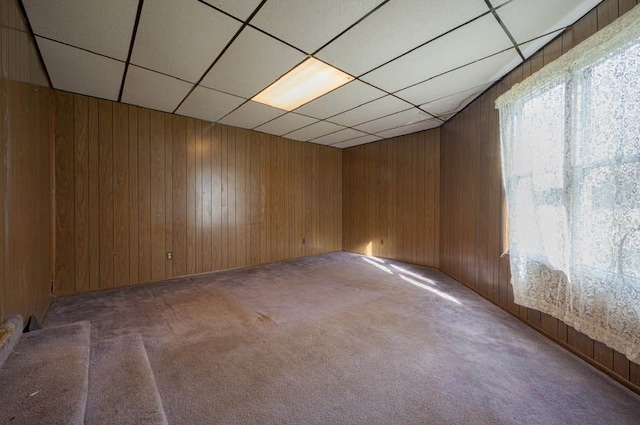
pixel 571 166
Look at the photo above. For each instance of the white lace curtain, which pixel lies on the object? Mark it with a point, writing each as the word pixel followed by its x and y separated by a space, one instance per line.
pixel 570 138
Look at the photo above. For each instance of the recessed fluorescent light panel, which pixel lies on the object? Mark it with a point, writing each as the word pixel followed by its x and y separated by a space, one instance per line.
pixel 307 81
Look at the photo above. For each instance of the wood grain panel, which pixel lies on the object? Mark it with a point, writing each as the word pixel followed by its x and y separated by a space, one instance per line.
pixel 132 112
pixel 241 196
pixel 178 214
pixel 105 186
pixel 199 195
pixel 65 191
pixel 265 181
pixel 5 292
pixel 224 176
pixel 391 198
pixel 214 196
pixel 159 181
pixel 144 197
pixel 81 195
pixel 471 198
pixel 26 173
pixel 207 198
pixel 255 199
pixel 94 193
pixel 121 206
pixel 169 187
pixel 192 245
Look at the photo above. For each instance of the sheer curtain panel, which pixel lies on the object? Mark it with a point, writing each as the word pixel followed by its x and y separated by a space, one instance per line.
pixel 570 139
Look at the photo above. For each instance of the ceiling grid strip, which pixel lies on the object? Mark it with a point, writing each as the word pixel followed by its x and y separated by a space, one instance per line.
pixel 133 40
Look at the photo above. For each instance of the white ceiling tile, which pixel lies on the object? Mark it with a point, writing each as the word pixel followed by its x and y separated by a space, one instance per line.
pixel 370 111
pixel 286 124
pixel 181 37
pixel 313 131
pixel 527 19
pixel 478 73
pixel 103 27
pixel 208 105
pixel 240 9
pixel 141 88
pixel 81 72
pixel 251 63
pixel 346 97
pixel 395 28
pixel 528 49
pixel 498 3
pixel 396 120
pixel 452 104
pixel 309 24
pixel 251 114
pixel 359 141
pixel 411 128
pixel 338 136
pixel 476 40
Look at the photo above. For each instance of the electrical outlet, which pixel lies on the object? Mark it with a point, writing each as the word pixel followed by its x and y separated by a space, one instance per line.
pixel 169 255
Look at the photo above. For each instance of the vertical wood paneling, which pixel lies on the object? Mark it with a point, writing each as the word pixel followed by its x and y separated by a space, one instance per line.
pixel 105 172
pixel 390 198
pixel 65 193
pixel 4 142
pixel 199 223
pixel 26 173
pixel 121 206
pixel 241 197
pixel 144 197
pixel 81 196
pixel 173 175
pixel 26 199
pixel 607 12
pixel 255 199
pixel 471 197
pixel 159 181
pixel 276 199
pixel 265 179
pixel 225 172
pixel 311 192
pixel 93 234
pixel 134 248
pixel 191 187
pixel 626 5
pixel 207 197
pixel 214 196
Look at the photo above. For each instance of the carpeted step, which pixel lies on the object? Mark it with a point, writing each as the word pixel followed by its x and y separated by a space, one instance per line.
pixel 10 333
pixel 44 380
pixel 122 388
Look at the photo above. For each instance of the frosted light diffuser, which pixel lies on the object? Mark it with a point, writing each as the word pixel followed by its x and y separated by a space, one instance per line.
pixel 307 81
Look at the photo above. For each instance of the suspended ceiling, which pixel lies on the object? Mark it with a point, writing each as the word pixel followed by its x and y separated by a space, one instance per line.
pixel 416 62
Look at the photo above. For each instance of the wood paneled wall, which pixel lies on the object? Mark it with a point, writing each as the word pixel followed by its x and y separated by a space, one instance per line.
pixel 133 184
pixel 26 177
pixel 391 198
pixel 471 197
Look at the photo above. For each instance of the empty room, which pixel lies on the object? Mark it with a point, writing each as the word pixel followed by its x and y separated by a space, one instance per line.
pixel 320 212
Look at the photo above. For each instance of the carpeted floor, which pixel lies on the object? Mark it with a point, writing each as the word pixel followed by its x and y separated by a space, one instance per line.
pixel 345 339
pixel 122 389
pixel 44 380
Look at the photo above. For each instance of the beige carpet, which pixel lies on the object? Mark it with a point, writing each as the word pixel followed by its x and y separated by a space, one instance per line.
pixel 45 378
pixel 344 339
pixel 122 389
